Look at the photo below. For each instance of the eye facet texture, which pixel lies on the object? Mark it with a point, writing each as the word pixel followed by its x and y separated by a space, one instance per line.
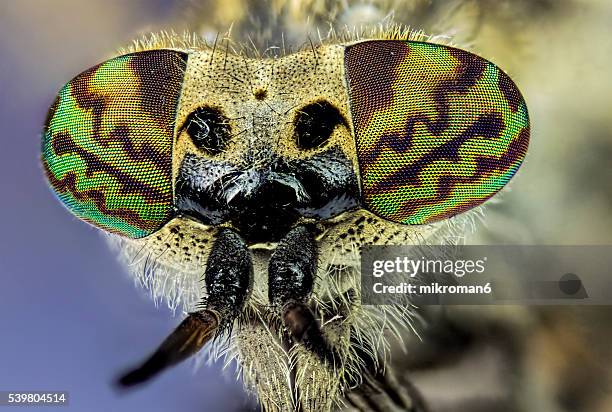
pixel 107 143
pixel 438 130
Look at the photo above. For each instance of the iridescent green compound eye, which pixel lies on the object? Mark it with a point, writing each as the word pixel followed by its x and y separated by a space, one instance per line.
pixel 107 143
pixel 438 130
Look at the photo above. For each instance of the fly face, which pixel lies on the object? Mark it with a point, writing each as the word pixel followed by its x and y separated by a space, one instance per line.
pixel 267 175
pixel 264 144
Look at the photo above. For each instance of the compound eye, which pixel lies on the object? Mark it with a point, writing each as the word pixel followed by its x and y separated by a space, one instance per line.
pixel 209 130
pixel 107 142
pixel 438 130
pixel 315 123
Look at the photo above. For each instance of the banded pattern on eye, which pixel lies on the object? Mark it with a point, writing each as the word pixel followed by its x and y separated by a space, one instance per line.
pixel 438 130
pixel 315 123
pixel 209 129
pixel 107 142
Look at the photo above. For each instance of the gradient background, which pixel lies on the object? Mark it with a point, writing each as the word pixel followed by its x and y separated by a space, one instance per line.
pixel 72 320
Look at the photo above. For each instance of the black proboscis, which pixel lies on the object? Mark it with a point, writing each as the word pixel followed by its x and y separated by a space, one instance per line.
pixel 186 340
pixel 228 278
pixel 291 272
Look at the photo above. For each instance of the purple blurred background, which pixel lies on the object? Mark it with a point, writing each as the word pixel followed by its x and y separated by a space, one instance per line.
pixel 71 318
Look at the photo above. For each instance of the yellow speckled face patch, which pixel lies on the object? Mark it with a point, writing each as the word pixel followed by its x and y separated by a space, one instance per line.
pixel 438 130
pixel 107 143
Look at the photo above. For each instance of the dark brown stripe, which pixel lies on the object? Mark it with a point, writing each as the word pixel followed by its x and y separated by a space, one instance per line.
pixel 87 100
pixel 147 153
pixel 487 126
pixel 516 150
pixel 159 74
pixel 68 184
pixel 485 166
pixel 470 69
pixel 63 144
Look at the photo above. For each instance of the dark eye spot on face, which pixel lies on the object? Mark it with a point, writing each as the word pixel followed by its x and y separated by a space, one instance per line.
pixel 209 129
pixel 315 123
